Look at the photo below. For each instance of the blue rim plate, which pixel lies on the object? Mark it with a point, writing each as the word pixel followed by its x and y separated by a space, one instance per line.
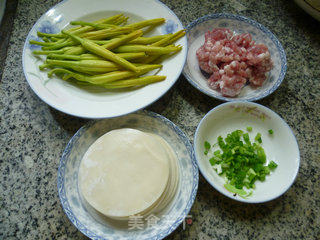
pixel 94 226
pixel 240 24
pixel 87 101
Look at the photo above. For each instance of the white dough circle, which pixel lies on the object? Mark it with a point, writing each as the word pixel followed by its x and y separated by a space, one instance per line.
pixel 124 172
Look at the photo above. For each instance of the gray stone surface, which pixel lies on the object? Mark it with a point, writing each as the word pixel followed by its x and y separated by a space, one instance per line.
pixel 33 136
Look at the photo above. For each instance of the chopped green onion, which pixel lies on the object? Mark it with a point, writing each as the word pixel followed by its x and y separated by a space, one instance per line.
pixel 249 129
pixel 258 138
pixel 207 147
pixel 270 131
pixel 242 193
pixel 241 161
pixel 272 165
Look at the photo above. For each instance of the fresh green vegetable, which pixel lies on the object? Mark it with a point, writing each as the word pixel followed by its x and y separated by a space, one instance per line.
pixel 99 66
pixel 270 131
pixel 38 52
pixel 272 165
pixel 107 33
pixel 116 20
pixel 207 147
pixel 100 51
pixel 127 56
pixel 108 52
pixel 258 138
pixel 242 193
pixel 94 25
pixel 103 78
pixel 164 42
pixel 240 161
pixel 149 40
pixel 134 82
pixel 119 41
pixel 146 23
pixel 152 50
pixel 249 129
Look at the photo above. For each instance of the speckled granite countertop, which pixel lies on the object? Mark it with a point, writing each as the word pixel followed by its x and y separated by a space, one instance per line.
pixel 33 136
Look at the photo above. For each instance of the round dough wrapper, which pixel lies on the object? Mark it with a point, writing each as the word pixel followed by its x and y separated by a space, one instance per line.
pixel 172 184
pixel 124 172
pixel 173 181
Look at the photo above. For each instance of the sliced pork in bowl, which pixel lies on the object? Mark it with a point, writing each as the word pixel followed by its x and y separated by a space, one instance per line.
pixel 232 57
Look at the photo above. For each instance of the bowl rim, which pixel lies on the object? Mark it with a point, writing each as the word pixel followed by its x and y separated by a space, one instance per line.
pixel 309 8
pixel 62 167
pixel 203 171
pixel 262 28
pixel 61 109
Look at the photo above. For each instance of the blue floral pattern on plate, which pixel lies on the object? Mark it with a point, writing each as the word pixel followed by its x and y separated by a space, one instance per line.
pixel 93 225
pixel 239 24
pixel 48 27
pixel 34 46
pixel 45 27
pixel 169 27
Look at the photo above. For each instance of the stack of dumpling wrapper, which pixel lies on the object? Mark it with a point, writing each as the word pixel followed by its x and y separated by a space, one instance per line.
pixel 128 172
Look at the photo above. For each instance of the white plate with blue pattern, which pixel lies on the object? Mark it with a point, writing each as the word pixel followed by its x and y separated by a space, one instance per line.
pixel 238 24
pixel 97 227
pixel 88 102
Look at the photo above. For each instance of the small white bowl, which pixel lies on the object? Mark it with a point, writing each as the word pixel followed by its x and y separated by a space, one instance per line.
pixel 311 7
pixel 280 147
pixel 238 24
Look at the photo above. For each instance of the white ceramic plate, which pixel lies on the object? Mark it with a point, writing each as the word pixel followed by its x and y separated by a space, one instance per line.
pixel 88 102
pixel 280 147
pixel 310 6
pixel 96 227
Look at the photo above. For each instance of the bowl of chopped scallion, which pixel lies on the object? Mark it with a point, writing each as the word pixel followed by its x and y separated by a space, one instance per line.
pixel 246 152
